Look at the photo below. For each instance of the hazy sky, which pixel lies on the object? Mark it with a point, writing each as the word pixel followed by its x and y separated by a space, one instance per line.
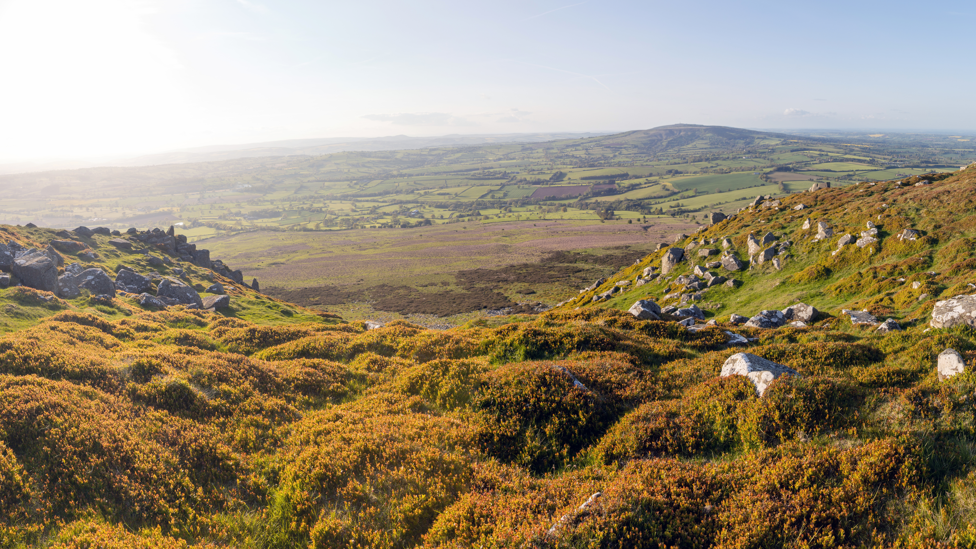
pixel 98 77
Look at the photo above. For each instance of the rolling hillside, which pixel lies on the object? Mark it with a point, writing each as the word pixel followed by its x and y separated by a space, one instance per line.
pixel 266 425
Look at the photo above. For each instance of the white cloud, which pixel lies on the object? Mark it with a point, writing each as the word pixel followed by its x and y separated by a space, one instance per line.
pixel 420 119
pixel 796 112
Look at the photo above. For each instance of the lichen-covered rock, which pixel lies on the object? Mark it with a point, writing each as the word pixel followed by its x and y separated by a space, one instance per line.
pixel 148 300
pixel 36 269
pixel 767 319
pixel 950 364
pixel 178 291
pixel 738 319
pixel 890 325
pixel 690 312
pixel 68 246
pixel 132 282
pixel 955 311
pixel 910 235
pixel 824 231
pixel 218 288
pixel 716 217
pixel 860 317
pixel 732 263
pixel 671 259
pixel 645 309
pixel 96 282
pixel 802 312
pixel 765 255
pixel 865 241
pixel 761 372
pixel 216 302
pixel 754 245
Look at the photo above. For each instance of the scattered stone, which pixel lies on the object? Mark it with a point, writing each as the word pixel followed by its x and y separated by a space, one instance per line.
pixel 88 256
pixel 754 245
pixel 777 264
pixel 733 283
pixel 767 239
pixel 910 235
pixel 797 324
pixel 155 261
pixel 102 231
pixel 680 237
pixel 132 282
pixel 147 300
pixel 68 246
pixel 761 372
pixel 799 207
pixel 732 263
pixel 648 271
pixel 801 312
pixel 765 255
pixel 705 252
pixel 646 309
pixel 216 302
pixel 4 281
pixel 866 241
pixel 84 231
pixel 869 232
pixel 726 243
pixel 889 325
pixel 923 182
pixel 713 264
pixel 736 339
pixel 36 269
pixel 954 312
pixel 860 317
pixel 671 259
pixel 716 280
pixel 716 217
pixel 950 364
pixel 132 230
pixel 690 312
pixel 216 288
pixel 845 240
pixel 738 319
pixel 823 231
pixel 96 282
pixel 767 319
pixel 806 224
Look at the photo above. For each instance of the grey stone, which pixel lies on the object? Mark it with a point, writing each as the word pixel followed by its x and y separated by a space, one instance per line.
pixel 950 364
pixel 733 283
pixel 699 271
pixel 690 312
pixel 36 269
pixel 6 257
pixel 121 243
pixel 732 263
pixel 4 281
pixel 777 264
pixel 738 319
pixel 824 231
pixel 216 302
pixel 754 245
pixel 767 239
pixel 102 231
pixel 88 256
pixel 765 255
pixel 84 231
pixel 178 291
pixel 767 319
pixel 799 207
pixel 671 259
pixel 801 312
pixel 889 325
pixel 726 243
pixel 716 280
pixel 845 240
pixel 68 287
pixel 132 282
pixel 215 288
pixel 257 288
pixel 705 252
pixel 688 322
pixel 716 217
pixel 761 372
pixel 54 255
pixel 74 269
pixel 96 282
pixel 713 265
pixel 147 300
pixel 910 235
pixel 954 312
pixel 866 241
pixel 646 309
pixel 679 237
pixel 860 317
pixel 806 224
pixel 797 324
pixel 736 339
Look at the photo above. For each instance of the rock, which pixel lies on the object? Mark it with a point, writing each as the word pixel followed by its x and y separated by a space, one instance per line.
pixel 767 239
pixel 869 232
pixel 257 288
pixel 753 244
pixel 797 324
pixel 860 317
pixel 950 364
pixel 777 264
pixel 68 287
pixel 716 217
pixel 116 233
pixel 591 287
pixel 705 252
pixel 88 256
pixel 679 238
pixel 953 312
pixel 178 291
pixel 699 271
pixel 646 309
pixel 6 257
pixel 68 246
pixel 806 224
pixel 726 243
pixel 147 300
pixel 765 255
pixel 690 312
pixel 845 240
pixel 736 339
pixel 35 269
pixel 132 230
pixel 923 182
pixel 767 319
pixel 688 322
pixel 84 231
pixel 824 231
pixel 121 243
pixel 4 281
pixel 870 225
pixel 866 241
pixel 216 302
pixel 54 255
pixel 761 372
pixel 622 283
pixel 801 312
pixel 738 319
pixel 799 207
pixel 910 235
pixel 716 280
pixel 660 247
pixel 671 259
pixel 732 263
pixel 733 283
pixel 713 264
pixel 96 282
pixel 134 283
pixel 154 261
pixel 216 288
pixel 889 325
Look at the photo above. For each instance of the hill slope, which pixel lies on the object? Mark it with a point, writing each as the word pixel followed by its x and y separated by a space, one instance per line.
pixel 574 428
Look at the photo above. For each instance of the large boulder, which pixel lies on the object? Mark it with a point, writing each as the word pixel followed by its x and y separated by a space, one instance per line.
pixel 149 300
pixel 950 364
pixel 765 255
pixel 216 302
pixel 860 317
pixel 761 372
pixel 754 245
pixel 218 288
pixel 716 217
pixel 84 231
pixel 645 309
pixel 802 312
pixel 824 231
pixel 6 258
pixel 121 243
pixel 767 319
pixel 955 311
pixel 96 282
pixel 690 312
pixel 671 259
pixel 36 269
pixel 181 293
pixel 732 263
pixel 132 282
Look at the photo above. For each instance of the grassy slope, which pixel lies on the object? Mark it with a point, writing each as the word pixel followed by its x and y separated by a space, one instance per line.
pixel 166 429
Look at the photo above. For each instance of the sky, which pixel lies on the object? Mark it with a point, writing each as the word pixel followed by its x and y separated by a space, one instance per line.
pixel 96 78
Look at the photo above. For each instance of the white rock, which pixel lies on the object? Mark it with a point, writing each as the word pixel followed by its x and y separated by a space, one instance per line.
pixel 950 363
pixel 760 371
pixel 645 309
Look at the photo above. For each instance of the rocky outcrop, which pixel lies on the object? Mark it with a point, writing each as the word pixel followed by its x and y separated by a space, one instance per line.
pixel 94 281
pixel 716 217
pixel 6 257
pixel 645 309
pixel 132 282
pixel 754 245
pixel 121 244
pixel 69 246
pixel 761 372
pixel 950 364
pixel 732 263
pixel 802 312
pixel 889 325
pixel 860 317
pixel 217 288
pixel 671 259
pixel 738 319
pixel 36 269
pixel 955 311
pixel 216 302
pixel 690 312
